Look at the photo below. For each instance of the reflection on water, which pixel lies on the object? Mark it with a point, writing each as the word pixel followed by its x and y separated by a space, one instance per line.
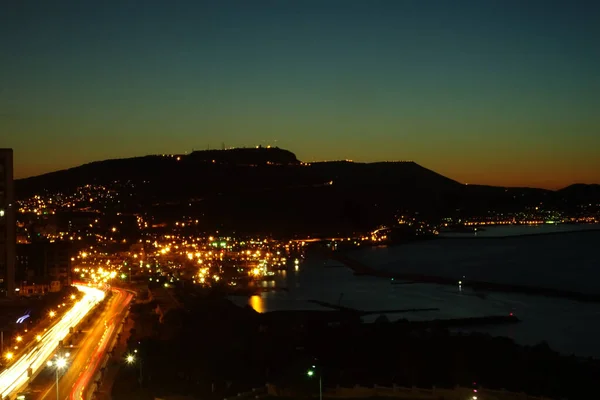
pixel 267 284
pixel 257 303
pixel 568 326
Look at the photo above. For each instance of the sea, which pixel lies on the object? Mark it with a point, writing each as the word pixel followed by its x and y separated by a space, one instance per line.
pixel 555 256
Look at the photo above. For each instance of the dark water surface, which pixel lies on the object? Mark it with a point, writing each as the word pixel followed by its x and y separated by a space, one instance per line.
pixel 567 261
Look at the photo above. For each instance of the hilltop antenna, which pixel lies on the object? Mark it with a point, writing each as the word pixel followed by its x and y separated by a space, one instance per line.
pixel 223 146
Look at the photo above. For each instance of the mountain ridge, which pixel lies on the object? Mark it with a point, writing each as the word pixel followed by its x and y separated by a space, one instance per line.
pixel 264 156
pixel 270 190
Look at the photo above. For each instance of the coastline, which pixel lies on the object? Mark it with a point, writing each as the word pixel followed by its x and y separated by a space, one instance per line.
pixel 474 236
pixel 362 269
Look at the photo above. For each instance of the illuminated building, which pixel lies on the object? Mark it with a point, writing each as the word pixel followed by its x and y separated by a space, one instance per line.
pixel 7 224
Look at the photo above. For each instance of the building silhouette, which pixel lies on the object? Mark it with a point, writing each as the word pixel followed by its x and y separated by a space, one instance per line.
pixel 8 210
pixel 43 263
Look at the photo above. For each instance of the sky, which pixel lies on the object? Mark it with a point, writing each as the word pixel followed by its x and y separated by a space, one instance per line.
pixel 499 92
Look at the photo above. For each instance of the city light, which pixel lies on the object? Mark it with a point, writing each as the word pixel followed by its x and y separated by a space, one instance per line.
pixel 16 376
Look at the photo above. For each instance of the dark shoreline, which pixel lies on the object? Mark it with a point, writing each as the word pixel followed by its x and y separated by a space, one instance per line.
pixel 516 236
pixel 362 269
pixel 364 313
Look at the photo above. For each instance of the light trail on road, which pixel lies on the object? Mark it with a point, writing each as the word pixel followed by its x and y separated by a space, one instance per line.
pixel 93 365
pixel 17 375
pixel 77 393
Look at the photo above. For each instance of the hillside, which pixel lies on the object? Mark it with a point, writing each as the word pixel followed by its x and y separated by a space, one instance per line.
pixel 580 194
pixel 270 190
pixel 234 171
pixel 153 167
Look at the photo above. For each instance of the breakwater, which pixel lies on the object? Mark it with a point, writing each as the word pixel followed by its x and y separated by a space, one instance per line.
pixel 464 322
pixel 338 307
pixel 362 269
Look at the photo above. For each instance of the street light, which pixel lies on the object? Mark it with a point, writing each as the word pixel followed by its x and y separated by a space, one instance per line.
pixel 310 373
pixel 59 364
pixel 130 359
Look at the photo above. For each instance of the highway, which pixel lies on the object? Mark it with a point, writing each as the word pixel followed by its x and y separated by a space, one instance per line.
pixel 85 360
pixel 16 376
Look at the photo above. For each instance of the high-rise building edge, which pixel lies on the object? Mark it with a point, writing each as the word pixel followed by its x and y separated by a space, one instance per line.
pixel 8 222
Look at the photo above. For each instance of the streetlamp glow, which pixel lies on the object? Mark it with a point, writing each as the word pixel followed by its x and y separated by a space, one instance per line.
pixel 311 372
pixel 59 364
pixel 131 359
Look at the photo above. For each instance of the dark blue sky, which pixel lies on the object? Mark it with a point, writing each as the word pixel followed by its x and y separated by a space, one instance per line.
pixel 499 92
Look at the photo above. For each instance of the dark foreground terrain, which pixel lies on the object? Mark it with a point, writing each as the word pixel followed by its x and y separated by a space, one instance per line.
pixel 213 349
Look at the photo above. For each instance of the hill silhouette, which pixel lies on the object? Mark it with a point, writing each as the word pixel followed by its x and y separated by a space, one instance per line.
pixel 153 167
pixel 270 189
pixel 580 194
pixel 237 170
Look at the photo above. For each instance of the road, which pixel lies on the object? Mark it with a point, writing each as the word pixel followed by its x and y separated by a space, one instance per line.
pixel 28 334
pixel 85 360
pixel 16 376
